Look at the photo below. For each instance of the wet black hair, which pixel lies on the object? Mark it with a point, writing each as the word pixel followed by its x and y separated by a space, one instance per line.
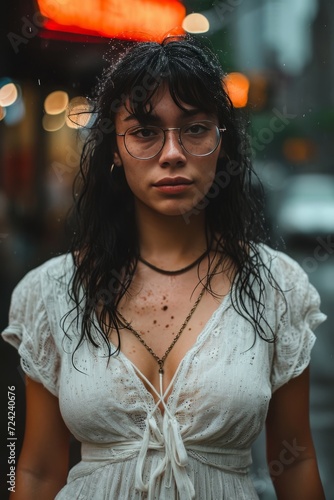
pixel 106 239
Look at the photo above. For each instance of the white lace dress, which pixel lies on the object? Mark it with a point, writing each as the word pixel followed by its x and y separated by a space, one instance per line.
pixel 200 447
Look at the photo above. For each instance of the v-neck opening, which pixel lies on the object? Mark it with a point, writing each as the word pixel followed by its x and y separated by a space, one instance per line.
pixel 199 339
pixel 139 380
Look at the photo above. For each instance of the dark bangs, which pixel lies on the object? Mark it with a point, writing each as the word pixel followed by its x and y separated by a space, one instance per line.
pixel 191 77
pixel 193 89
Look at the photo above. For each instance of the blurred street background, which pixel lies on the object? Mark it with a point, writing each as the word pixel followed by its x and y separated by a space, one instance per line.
pixel 279 60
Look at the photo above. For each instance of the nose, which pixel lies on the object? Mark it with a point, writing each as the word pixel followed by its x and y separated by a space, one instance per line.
pixel 172 153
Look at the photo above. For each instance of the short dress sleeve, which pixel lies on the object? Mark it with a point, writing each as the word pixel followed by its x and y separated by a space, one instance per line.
pixel 30 333
pixel 298 316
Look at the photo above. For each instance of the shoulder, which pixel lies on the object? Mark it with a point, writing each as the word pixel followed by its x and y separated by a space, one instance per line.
pixel 288 289
pixel 284 269
pixel 37 305
pixel 40 299
pixel 276 258
pixel 44 287
pixel 296 301
pixel 56 270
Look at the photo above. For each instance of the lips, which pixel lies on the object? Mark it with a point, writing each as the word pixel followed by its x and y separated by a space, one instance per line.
pixel 173 181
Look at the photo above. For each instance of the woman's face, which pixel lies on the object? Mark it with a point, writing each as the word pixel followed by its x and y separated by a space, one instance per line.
pixel 174 182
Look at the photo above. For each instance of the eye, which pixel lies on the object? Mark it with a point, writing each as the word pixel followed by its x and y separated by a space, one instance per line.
pixel 195 128
pixel 143 132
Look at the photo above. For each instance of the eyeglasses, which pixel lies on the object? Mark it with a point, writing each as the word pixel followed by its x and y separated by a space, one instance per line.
pixel 198 139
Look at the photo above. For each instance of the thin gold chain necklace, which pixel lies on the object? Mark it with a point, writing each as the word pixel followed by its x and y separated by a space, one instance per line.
pixel 161 361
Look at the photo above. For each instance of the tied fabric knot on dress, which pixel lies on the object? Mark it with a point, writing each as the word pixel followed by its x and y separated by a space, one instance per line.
pixel 150 426
pixel 175 459
pixel 178 456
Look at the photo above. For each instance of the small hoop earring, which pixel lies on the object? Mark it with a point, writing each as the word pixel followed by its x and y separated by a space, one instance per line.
pixel 112 168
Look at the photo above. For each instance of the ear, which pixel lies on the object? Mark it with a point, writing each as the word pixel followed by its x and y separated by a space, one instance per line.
pixel 117 160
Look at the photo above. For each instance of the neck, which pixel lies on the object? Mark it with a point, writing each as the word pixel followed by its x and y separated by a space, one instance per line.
pixel 170 239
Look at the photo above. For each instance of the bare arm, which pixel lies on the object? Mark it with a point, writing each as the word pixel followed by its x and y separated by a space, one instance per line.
pixel 290 451
pixel 43 464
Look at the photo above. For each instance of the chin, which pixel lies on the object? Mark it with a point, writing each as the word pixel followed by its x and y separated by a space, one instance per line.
pixel 186 211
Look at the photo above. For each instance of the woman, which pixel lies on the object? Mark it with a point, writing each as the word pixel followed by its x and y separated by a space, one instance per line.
pixel 171 334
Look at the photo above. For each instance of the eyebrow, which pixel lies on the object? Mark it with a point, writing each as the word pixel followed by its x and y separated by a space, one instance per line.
pixel 156 119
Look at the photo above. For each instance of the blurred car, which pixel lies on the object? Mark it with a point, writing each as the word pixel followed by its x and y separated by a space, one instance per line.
pixel 306 207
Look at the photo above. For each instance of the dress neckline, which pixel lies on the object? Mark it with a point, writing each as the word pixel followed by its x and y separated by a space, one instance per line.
pixel 134 370
pixel 139 377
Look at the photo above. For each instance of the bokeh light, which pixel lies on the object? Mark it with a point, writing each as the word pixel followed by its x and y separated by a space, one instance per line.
pixel 8 94
pixel 196 23
pixel 52 123
pixel 237 87
pixel 2 113
pixel 56 102
pixel 299 149
pixel 78 112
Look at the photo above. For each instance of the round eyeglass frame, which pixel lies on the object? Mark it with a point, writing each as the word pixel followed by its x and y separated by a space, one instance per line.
pixel 219 130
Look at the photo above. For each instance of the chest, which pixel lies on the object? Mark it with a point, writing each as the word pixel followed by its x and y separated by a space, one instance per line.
pixel 160 331
pixel 221 378
pixel 162 324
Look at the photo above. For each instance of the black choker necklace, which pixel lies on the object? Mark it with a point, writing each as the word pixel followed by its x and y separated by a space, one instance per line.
pixel 177 271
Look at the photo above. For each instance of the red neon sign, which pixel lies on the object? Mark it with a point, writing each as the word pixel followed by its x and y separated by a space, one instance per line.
pixel 134 19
